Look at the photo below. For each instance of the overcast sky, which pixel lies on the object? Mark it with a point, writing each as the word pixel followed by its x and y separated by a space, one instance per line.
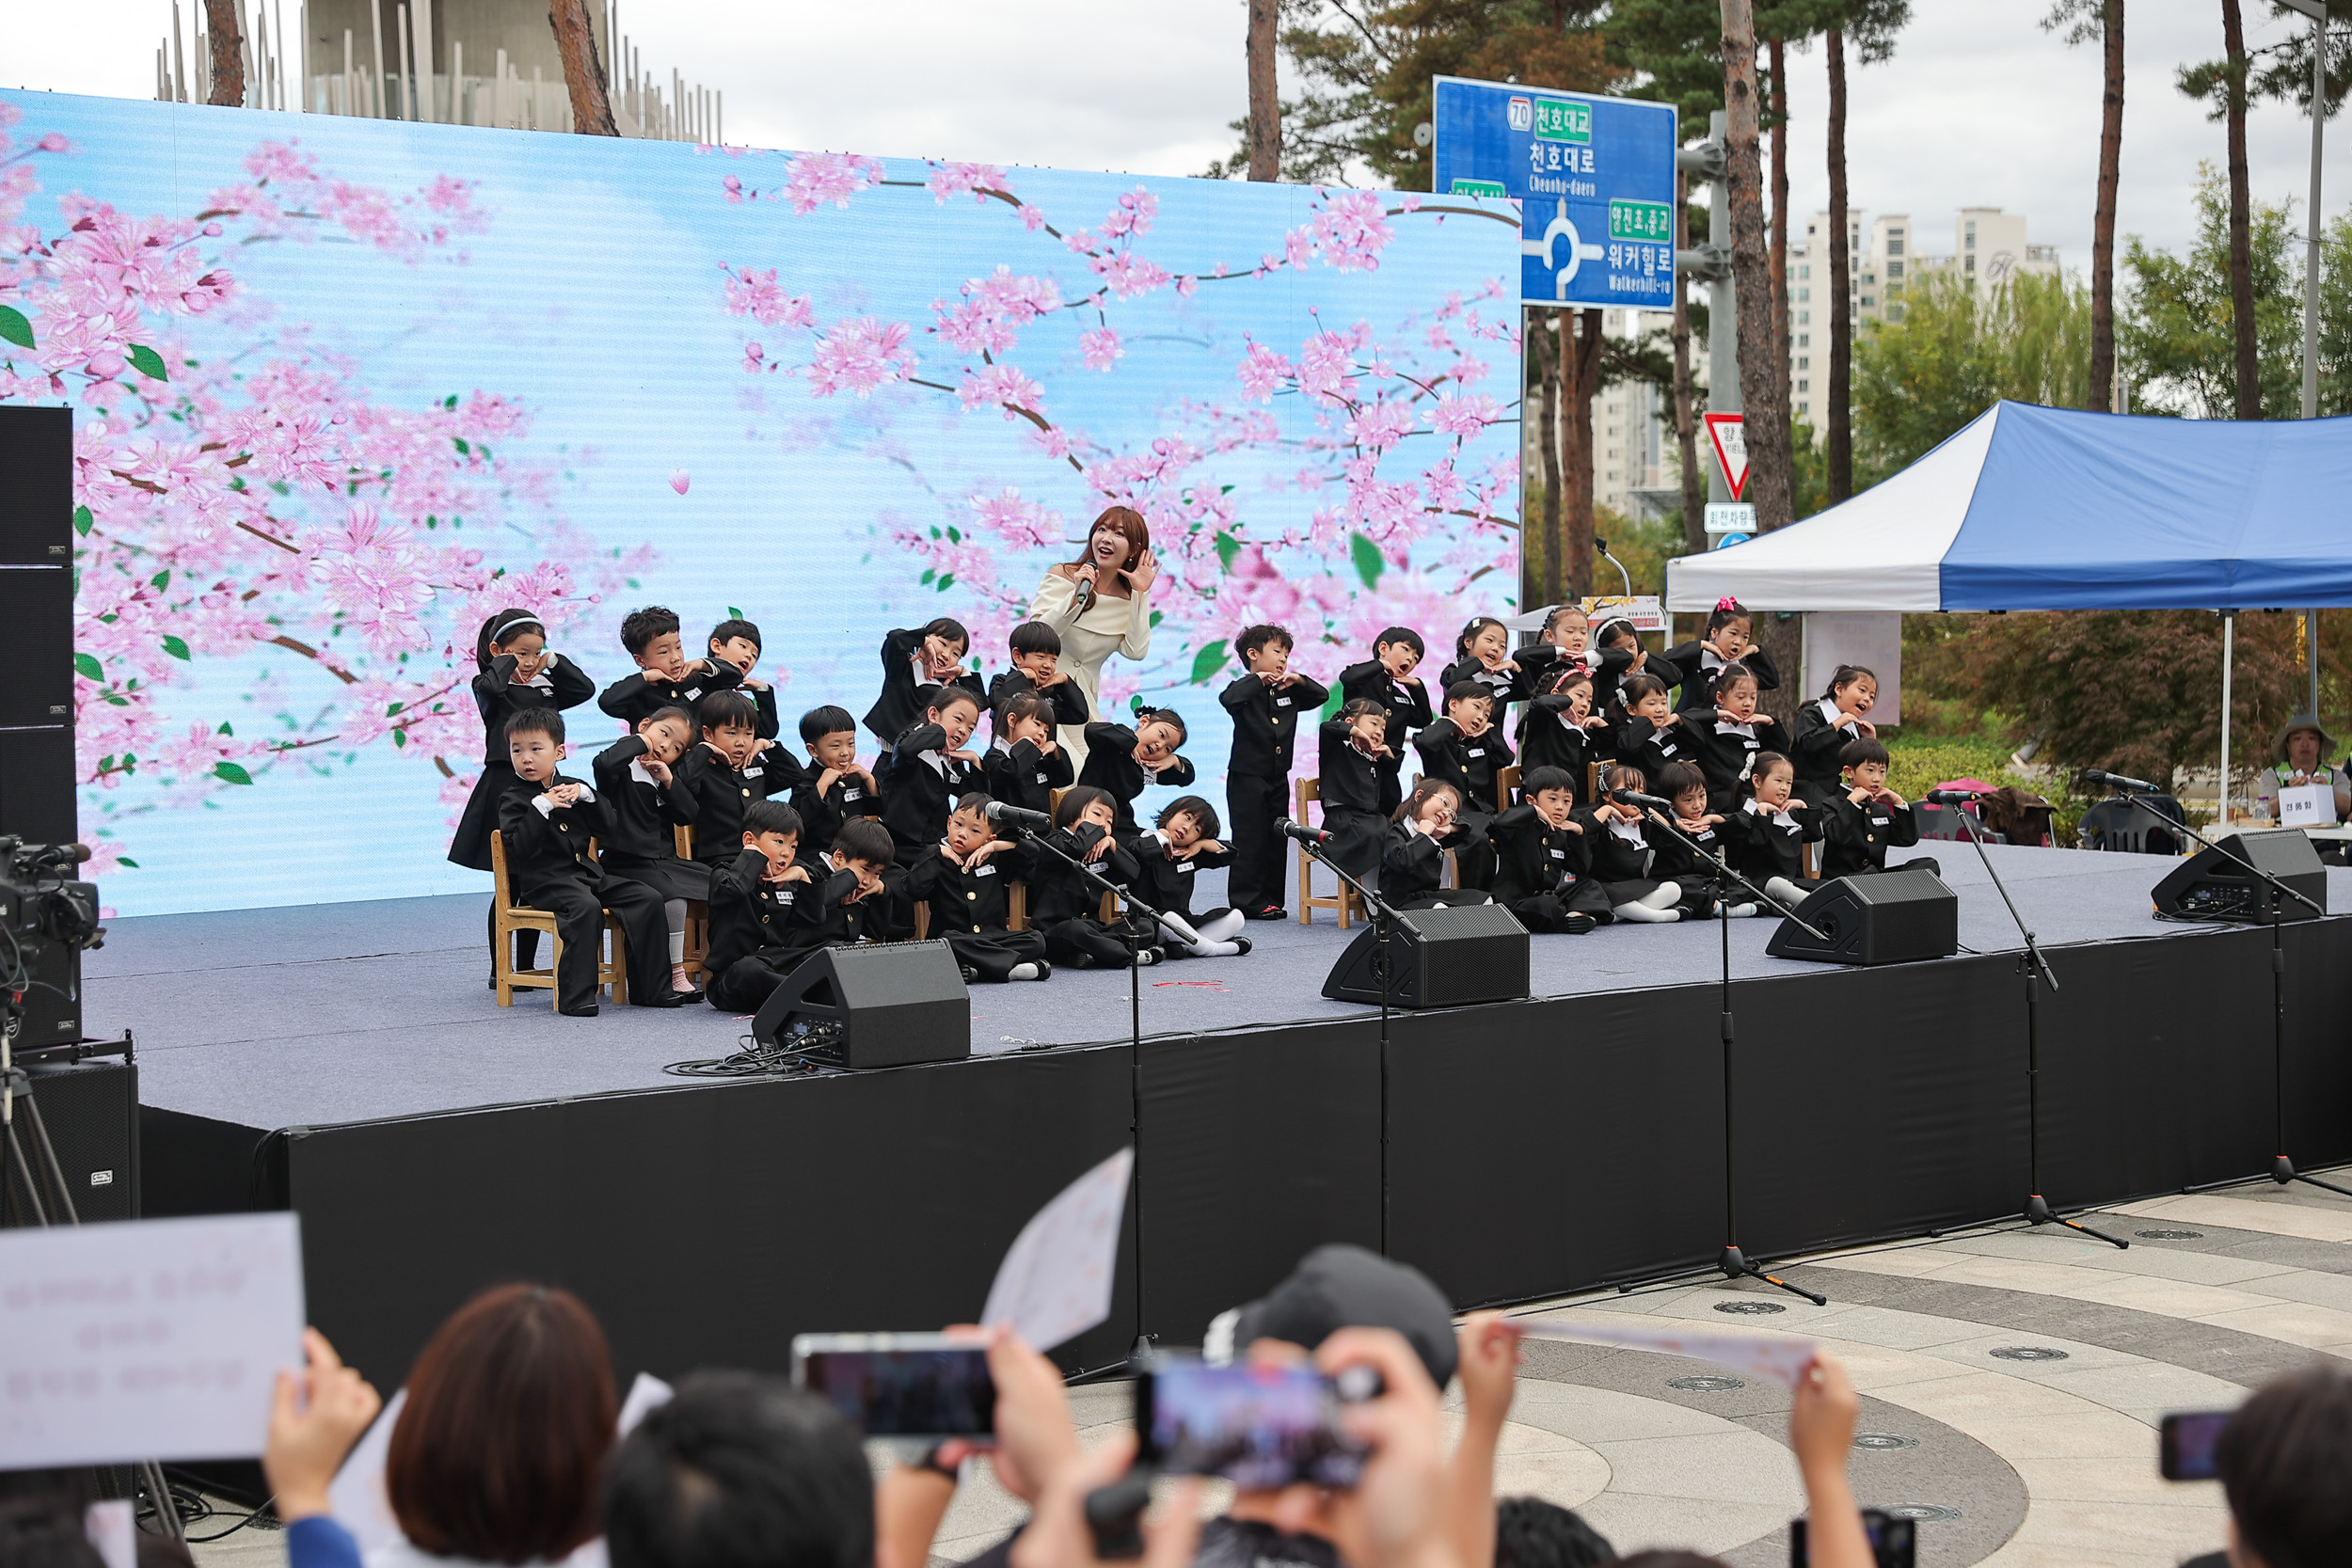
pixel 1978 107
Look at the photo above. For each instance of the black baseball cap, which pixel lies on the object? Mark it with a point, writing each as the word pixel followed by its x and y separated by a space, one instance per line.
pixel 1343 1286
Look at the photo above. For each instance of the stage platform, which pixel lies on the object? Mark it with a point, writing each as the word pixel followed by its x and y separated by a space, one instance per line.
pixel 349 1061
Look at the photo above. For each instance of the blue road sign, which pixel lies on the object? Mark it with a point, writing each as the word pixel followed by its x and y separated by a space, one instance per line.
pixel 1595 178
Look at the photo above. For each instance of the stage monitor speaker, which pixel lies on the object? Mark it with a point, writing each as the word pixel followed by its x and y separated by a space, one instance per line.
pixel 36 486
pixel 1450 958
pixel 880 1005
pixel 1881 917
pixel 36 645
pixel 37 783
pixel 90 1110
pixel 2210 886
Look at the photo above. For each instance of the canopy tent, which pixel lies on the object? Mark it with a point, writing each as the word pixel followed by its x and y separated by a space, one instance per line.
pixel 2032 508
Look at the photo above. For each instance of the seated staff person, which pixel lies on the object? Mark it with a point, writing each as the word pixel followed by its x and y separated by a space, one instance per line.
pixel 2302 751
pixel 1387 678
pixel 834 787
pixel 1412 857
pixel 1729 640
pixel 1181 844
pixel 645 805
pixel 1028 764
pixel 1541 859
pixel 928 770
pixel 763 911
pixel 1353 753
pixel 728 769
pixel 1866 819
pixel 1824 727
pixel 961 879
pixel 1120 760
pixel 1067 906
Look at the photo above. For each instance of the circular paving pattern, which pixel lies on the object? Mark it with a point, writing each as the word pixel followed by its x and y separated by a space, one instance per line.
pixel 1750 1308
pixel 2030 1352
pixel 1705 1384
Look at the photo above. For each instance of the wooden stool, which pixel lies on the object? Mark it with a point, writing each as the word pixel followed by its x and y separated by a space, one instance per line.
pixel 697 910
pixel 511 917
pixel 1309 792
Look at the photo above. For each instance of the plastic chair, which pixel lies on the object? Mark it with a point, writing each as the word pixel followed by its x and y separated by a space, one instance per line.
pixel 510 917
pixel 1343 901
pixel 2125 827
pixel 1943 822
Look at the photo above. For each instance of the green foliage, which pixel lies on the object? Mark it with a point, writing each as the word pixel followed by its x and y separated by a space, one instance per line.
pixel 1370 562
pixel 15 327
pixel 1958 349
pixel 1208 661
pixel 146 362
pixel 2176 334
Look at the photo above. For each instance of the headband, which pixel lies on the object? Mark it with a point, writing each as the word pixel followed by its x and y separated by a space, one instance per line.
pixel 498 633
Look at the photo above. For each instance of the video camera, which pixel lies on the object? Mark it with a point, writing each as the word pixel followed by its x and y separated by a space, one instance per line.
pixel 48 920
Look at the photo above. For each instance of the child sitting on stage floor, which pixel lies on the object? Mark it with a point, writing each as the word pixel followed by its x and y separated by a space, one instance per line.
pixel 1825 728
pixel 1036 668
pixel 834 789
pixel 1688 864
pixel 731 769
pixel 737 641
pixel 961 879
pixel 1866 819
pixel 663 678
pixel 1264 701
pixel 545 822
pixel 1541 859
pixel 1387 678
pixel 1067 906
pixel 1182 843
pixel 928 770
pixel 1412 857
pixel 1028 764
pixel 763 911
pixel 1120 760
pixel 1466 750
pixel 644 804
pixel 1726 741
pixel 1770 830
pixel 1623 857
pixel 857 900
pixel 1356 765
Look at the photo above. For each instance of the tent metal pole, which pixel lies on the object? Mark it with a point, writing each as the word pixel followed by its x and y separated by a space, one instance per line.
pixel 2229 649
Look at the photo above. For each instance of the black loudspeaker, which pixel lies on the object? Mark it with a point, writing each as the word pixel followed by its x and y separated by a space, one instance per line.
pixel 2210 886
pixel 36 488
pixel 36 645
pixel 90 1110
pixel 37 783
pixel 880 1005
pixel 1449 959
pixel 1881 917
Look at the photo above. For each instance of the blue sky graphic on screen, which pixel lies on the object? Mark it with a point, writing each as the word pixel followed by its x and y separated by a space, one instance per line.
pixel 345 387
pixel 1595 176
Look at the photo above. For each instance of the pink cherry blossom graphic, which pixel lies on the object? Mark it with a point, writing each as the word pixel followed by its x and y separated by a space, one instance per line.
pixel 679 479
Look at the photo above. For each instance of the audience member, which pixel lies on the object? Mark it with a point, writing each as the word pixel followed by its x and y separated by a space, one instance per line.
pixel 2284 1459
pixel 1532 1533
pixel 315 1417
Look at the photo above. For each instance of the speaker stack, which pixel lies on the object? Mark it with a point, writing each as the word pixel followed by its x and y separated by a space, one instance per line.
pixel 37 624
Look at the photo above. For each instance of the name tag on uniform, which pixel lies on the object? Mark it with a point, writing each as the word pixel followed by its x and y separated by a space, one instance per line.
pixel 783 895
pixel 1704 834
pixel 1040 778
pixel 1475 751
pixel 1281 701
pixel 754 772
pixel 1559 854
pixel 1752 743
pixel 1184 868
pixel 852 794
pixel 1878 822
pixel 1665 748
pixel 692 692
pixel 984 869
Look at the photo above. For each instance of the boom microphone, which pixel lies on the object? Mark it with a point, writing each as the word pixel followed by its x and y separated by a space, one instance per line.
pixel 1634 798
pixel 1953 797
pixel 1300 831
pixel 2118 780
pixel 1018 816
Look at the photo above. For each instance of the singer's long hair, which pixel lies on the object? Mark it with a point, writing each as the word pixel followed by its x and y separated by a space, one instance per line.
pixel 1128 522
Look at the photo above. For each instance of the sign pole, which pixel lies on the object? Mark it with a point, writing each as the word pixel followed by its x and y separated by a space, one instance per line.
pixel 1722 310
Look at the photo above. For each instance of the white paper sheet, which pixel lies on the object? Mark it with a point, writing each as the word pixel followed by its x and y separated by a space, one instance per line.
pixel 1781 1360
pixel 1055 1280
pixel 112 1529
pixel 145 1338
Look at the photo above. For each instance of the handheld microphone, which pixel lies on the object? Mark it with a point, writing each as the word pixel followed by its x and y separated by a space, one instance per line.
pixel 1634 798
pixel 1300 831
pixel 2118 780
pixel 1018 816
pixel 1953 797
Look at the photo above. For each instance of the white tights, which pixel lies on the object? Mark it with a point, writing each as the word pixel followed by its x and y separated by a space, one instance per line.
pixel 1654 908
pixel 1217 936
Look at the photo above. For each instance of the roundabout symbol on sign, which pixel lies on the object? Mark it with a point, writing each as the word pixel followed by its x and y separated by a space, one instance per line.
pixel 1577 251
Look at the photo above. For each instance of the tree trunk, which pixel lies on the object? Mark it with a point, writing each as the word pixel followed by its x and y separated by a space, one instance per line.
pixel 1766 397
pixel 583 72
pixel 1584 373
pixel 2103 218
pixel 228 52
pixel 1543 331
pixel 1780 209
pixel 1686 419
pixel 1265 105
pixel 2249 385
pixel 1840 284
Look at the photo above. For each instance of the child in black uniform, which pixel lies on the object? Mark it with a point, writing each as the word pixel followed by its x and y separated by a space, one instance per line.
pixel 1770 830
pixel 1558 728
pixel 1542 861
pixel 763 911
pixel 1624 860
pixel 730 768
pixel 1028 763
pixel 1690 865
pixel 1264 701
pixel 1693 666
pixel 1357 765
pixel 833 789
pixel 1866 819
pixel 1182 843
pixel 1388 678
pixel 517 673
pixel 642 798
pixel 1036 668
pixel 961 879
pixel 663 678
pixel 1412 857
pixel 1483 654
pixel 1825 727
pixel 1067 906
pixel 1727 741
pixel 930 770
pixel 1120 760
pixel 915 658
pixel 1467 750
pixel 735 642
pixel 546 822
pixel 1651 734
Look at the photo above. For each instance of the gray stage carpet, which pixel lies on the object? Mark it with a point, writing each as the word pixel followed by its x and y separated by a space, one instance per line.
pixel 327 1013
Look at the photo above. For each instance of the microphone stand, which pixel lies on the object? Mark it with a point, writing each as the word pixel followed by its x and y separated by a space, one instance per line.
pixel 1731 1262
pixel 2282 1168
pixel 1383 915
pixel 2036 971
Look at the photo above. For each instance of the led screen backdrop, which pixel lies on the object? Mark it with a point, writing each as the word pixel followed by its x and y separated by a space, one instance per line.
pixel 343 387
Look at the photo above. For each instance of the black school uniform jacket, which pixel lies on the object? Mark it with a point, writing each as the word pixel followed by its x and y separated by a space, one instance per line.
pixel 1507 686
pixel 1693 667
pixel 721 791
pixel 896 707
pixel 1604 667
pixel 638 697
pixel 1532 856
pixel 1350 781
pixel 1265 723
pixel 1550 738
pixel 768 723
pixel 1111 765
pixel 1407 703
pixel 1766 844
pixel 1025 777
pixel 749 915
pixel 1069 703
pixel 1649 747
pixel 1856 838
pixel 974 901
pixel 843 924
pixel 1163 881
pixel 1678 859
pixel 922 785
pixel 1411 864
pixel 561 684
pixel 1615 858
pixel 642 812
pixel 1726 752
pixel 1057 892
pixel 1819 741
pixel 1469 763
pixel 821 816
pixel 544 848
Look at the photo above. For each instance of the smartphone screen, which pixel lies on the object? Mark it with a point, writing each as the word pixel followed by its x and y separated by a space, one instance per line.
pixel 1258 1426
pixel 2185 1444
pixel 900 1385
pixel 1894 1543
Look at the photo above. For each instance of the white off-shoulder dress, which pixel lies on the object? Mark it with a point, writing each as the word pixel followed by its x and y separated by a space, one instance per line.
pixel 1108 626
